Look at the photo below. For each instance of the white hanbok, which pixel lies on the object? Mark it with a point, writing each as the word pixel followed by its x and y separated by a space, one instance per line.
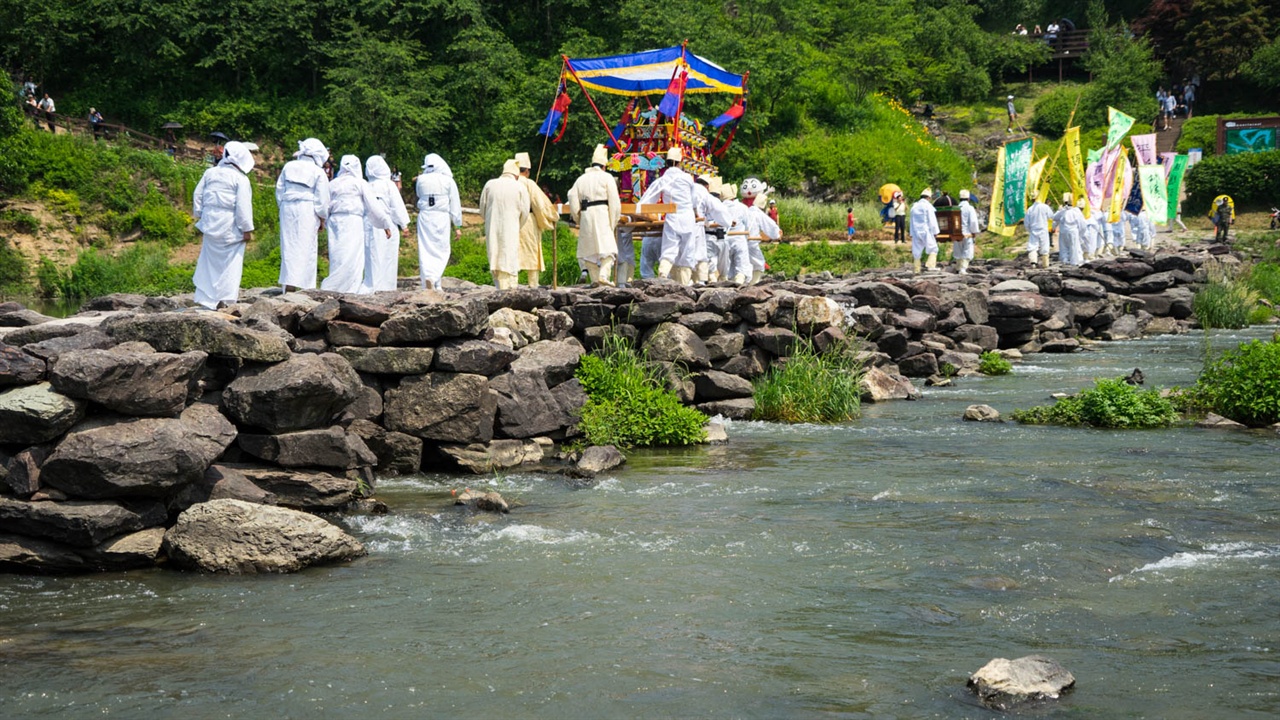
pixel 759 227
pixel 438 207
pixel 1037 222
pixel 969 228
pixel 504 203
pixel 302 195
pixel 675 186
pixel 382 244
pixel 223 204
pixel 351 199
pixel 924 229
pixel 737 253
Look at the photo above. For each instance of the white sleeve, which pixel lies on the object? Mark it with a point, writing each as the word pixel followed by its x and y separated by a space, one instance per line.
pixel 244 204
pixel 455 204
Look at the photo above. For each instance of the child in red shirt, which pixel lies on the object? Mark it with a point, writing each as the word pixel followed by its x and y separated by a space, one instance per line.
pixel 852 222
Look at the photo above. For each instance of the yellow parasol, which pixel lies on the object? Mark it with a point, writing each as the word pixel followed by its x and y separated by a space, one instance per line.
pixel 1230 203
pixel 887 191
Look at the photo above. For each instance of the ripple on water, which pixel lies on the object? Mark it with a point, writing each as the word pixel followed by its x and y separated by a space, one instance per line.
pixel 1214 555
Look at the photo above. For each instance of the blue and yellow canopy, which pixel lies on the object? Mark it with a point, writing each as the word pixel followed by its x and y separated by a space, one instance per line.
pixel 649 72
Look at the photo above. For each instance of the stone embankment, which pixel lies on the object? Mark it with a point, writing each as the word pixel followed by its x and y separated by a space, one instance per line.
pixel 124 428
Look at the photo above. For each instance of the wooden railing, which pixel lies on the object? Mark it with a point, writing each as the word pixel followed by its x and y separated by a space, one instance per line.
pixel 112 131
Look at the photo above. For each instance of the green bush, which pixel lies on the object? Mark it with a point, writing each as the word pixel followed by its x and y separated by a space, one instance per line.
pixel 993 363
pixel 19 221
pixel 1108 404
pixel 1224 304
pixel 13 269
pixel 142 268
pixel 1053 109
pixel 811 387
pixel 1264 279
pixel 1243 384
pixel 628 404
pixel 1251 179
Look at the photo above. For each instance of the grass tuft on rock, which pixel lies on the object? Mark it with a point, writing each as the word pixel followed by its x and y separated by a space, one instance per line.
pixel 993 363
pixel 1242 384
pixel 1110 403
pixel 811 387
pixel 628 404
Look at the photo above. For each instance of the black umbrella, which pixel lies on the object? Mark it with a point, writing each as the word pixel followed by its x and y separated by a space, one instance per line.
pixel 219 136
pixel 171 126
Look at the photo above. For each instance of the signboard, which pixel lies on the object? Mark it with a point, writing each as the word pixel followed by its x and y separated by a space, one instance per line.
pixel 1245 135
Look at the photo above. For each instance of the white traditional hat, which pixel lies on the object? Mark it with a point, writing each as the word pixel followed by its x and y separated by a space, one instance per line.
pixel 1010 97
pixel 675 154
pixel 600 156
pixel 715 185
pixel 1080 203
pixel 511 167
pixel 523 159
pixel 728 191
pixel 964 194
pixel 926 193
pixel 1066 198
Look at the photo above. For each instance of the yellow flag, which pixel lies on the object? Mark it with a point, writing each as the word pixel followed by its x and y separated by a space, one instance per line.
pixel 1075 165
pixel 995 223
pixel 1033 179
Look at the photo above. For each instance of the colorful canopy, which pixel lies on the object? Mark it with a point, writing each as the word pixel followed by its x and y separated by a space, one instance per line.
pixel 651 71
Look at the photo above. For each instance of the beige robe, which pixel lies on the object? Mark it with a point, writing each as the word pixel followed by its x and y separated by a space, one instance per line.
pixel 542 216
pixel 596 224
pixel 504 203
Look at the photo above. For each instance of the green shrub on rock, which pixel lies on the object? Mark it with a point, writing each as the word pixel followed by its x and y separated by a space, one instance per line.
pixel 628 403
pixel 1243 384
pixel 1108 404
pixel 811 387
pixel 1224 304
pixel 993 363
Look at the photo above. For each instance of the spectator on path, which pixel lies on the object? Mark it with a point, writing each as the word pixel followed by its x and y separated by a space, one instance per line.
pixel 47 106
pixel 1222 214
pixel 1020 29
pixel 1189 98
pixel 219 146
pixel 1037 31
pixel 1013 114
pixel 29 88
pixel 1067 25
pixel 33 109
pixel 851 223
pixel 772 212
pixel 95 121
pixel 1170 105
pixel 1051 32
pixel 898 215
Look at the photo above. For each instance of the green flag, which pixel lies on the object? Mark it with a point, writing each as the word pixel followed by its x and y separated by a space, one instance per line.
pixel 1175 184
pixel 1017 164
pixel 1153 192
pixel 1120 124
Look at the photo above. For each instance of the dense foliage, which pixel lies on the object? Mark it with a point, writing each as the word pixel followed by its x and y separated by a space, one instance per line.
pixel 1243 384
pixel 473 78
pixel 1251 179
pixel 628 403
pixel 1108 404
pixel 811 387
pixel 1224 304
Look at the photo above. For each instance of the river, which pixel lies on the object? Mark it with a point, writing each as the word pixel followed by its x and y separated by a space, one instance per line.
pixel 855 571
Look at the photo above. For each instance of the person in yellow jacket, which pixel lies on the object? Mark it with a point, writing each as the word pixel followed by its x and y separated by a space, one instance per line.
pixel 542 216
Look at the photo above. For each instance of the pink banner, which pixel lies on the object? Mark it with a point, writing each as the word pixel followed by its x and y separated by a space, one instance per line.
pixel 1166 159
pixel 1144 148
pixel 1108 162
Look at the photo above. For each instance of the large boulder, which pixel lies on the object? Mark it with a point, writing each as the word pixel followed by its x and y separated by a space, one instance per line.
pixel 716 385
pixel 331 447
pixel 725 345
pixel 1004 683
pixel 555 360
pixel 77 523
pixel 675 343
pixel 446 407
pixel 147 457
pixel 881 295
pixel 879 386
pixel 22 554
pixel 305 489
pixel 598 459
pixel 526 407
pixel 523 326
pixel 132 383
pixel 180 332
pixel 482 458
pixel 34 414
pixel 397 452
pixel 779 342
pixel 305 392
pixel 473 356
pixel 237 537
pixel 468 317
pixel 734 409
pixel 807 314
pixel 389 360
pixel 18 367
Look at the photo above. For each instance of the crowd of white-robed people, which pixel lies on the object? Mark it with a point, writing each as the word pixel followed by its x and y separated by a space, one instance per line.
pixel 711 235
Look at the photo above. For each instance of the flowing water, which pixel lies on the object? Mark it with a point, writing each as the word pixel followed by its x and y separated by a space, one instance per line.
pixel 857 571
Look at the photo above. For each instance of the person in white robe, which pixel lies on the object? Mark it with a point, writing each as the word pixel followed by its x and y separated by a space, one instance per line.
pixel 736 259
pixel 676 187
pixel 351 201
pixel 962 251
pixel 504 203
pixel 542 216
pixel 594 204
pixel 302 196
pixel 382 245
pixel 1071 237
pixel 626 255
pixel 650 254
pixel 223 207
pixel 439 205
pixel 1037 222
pixel 715 231
pixel 759 225
pixel 711 210
pixel 924 232
pixel 1090 240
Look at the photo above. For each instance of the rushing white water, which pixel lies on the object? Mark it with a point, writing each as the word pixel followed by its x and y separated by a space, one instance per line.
pixel 861 570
